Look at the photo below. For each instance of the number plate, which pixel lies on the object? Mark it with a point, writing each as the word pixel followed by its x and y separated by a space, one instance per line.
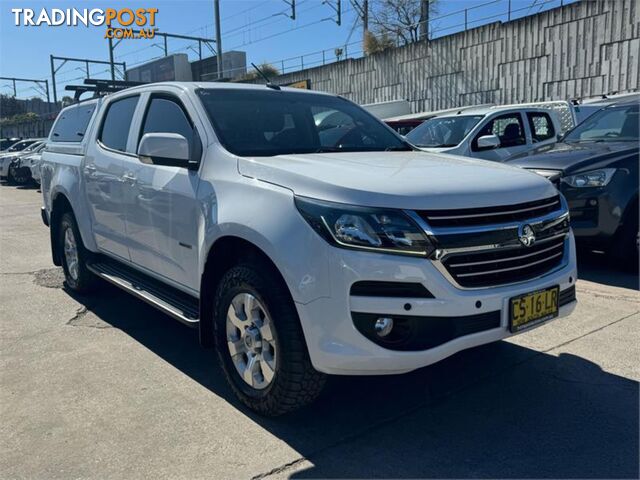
pixel 533 308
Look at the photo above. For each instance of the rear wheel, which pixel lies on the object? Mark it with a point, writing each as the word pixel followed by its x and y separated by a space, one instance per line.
pixel 74 256
pixel 260 344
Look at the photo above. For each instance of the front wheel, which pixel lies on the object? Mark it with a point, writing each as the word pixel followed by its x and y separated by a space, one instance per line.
pixel 17 176
pixel 627 247
pixel 260 344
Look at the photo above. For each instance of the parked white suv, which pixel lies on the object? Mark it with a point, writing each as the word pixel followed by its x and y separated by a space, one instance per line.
pixel 300 234
pixel 490 133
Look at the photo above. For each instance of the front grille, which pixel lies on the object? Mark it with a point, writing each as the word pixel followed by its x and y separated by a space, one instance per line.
pixel 490 215
pixel 503 266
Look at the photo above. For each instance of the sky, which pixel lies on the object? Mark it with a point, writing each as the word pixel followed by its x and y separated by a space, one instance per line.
pixel 259 27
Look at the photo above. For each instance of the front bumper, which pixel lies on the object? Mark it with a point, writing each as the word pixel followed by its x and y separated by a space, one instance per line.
pixel 4 167
pixel 597 213
pixel 337 347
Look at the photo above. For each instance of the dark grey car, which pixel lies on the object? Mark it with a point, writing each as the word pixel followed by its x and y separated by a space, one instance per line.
pixel 595 166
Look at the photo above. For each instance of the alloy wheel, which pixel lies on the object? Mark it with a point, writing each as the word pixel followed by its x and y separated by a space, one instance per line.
pixel 71 253
pixel 251 340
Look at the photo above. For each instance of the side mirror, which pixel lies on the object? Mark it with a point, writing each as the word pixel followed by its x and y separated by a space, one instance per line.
pixel 488 141
pixel 169 149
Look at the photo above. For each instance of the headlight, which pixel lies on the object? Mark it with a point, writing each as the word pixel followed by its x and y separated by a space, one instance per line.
pixel 595 178
pixel 364 228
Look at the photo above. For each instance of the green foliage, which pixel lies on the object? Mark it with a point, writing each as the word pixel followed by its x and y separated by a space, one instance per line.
pixel 373 44
pixel 10 106
pixel 268 69
pixel 19 118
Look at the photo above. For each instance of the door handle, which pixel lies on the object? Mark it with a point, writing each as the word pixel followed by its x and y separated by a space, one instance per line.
pixel 129 178
pixel 89 169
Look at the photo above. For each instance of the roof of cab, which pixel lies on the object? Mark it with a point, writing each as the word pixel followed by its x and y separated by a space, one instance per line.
pixel 191 86
pixel 493 109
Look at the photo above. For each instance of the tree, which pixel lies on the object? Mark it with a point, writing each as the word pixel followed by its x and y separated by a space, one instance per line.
pixel 403 20
pixel 10 106
pixel 373 44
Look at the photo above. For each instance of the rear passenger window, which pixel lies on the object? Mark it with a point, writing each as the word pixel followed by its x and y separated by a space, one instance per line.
pixel 541 126
pixel 166 116
pixel 117 120
pixel 72 123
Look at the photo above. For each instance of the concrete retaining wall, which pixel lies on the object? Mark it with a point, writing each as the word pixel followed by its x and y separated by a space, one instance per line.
pixel 582 49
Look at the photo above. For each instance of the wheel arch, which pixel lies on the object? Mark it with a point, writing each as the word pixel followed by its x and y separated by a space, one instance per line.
pixel 225 252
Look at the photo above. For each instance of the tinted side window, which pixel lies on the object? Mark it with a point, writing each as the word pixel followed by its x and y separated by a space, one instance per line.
pixel 117 120
pixel 541 126
pixel 166 116
pixel 72 123
pixel 508 128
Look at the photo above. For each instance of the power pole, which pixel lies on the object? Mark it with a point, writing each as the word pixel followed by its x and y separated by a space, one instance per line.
pixel 292 4
pixel 336 7
pixel 424 19
pixel 365 18
pixel 113 67
pixel 39 84
pixel 363 13
pixel 53 79
pixel 216 4
pixel 86 62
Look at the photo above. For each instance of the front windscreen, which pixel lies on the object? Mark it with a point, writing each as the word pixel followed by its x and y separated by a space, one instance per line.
pixel 19 146
pixel 276 122
pixel 618 124
pixel 443 131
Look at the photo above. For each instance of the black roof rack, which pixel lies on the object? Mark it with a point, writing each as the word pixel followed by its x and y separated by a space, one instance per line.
pixel 100 87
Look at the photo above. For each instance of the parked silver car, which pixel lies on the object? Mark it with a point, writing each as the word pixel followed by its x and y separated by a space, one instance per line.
pixel 27 167
pixel 21 148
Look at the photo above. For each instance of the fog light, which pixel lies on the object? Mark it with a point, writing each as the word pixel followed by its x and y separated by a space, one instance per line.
pixel 383 326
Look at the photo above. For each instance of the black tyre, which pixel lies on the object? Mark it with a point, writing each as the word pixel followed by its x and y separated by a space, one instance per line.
pixel 626 248
pixel 74 256
pixel 16 176
pixel 259 341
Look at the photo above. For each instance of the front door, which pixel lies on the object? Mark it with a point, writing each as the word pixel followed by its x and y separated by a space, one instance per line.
pixel 103 174
pixel 163 215
pixel 509 128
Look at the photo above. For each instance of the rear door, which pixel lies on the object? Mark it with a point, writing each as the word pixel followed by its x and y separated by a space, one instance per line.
pixel 104 175
pixel 510 129
pixel 542 128
pixel 163 214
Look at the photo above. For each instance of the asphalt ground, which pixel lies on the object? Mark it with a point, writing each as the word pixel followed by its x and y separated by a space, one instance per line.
pixel 106 387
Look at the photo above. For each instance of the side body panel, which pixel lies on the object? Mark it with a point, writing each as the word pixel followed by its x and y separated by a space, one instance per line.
pixel 161 207
pixel 61 174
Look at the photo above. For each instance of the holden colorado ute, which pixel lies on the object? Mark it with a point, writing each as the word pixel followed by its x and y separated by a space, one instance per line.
pixel 299 234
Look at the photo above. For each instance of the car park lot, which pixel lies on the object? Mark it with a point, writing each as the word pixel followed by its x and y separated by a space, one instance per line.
pixel 107 387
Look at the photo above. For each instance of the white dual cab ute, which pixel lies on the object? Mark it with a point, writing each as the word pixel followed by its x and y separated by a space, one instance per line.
pixel 491 132
pixel 301 235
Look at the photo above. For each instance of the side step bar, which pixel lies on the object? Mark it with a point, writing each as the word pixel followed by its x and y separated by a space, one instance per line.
pixel 179 305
